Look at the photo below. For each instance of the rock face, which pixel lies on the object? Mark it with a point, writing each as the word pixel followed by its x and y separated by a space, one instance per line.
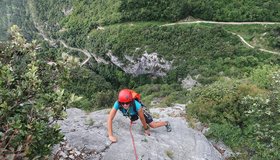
pixel 146 64
pixel 86 138
pixel 189 83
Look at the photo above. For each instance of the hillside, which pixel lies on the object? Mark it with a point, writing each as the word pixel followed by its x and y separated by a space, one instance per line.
pixel 15 12
pixel 227 51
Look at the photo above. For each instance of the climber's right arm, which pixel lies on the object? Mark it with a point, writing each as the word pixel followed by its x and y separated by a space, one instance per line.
pixel 111 116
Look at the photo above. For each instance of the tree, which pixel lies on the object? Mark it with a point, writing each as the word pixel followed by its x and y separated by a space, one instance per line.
pixel 30 100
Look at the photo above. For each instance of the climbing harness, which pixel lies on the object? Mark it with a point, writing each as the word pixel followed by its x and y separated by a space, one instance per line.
pixel 132 138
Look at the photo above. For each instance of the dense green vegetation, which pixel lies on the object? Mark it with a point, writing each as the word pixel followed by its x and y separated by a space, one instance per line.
pixel 31 99
pixel 238 99
pixel 115 11
pixel 110 12
pixel 243 113
pixel 77 18
pixel 81 16
pixel 207 51
pixel 236 10
pixel 149 10
pixel 88 15
pixel 274 38
pixel 201 50
pixel 165 94
pixel 262 36
pixel 15 12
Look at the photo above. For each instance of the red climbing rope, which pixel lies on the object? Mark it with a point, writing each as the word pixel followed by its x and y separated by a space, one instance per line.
pixel 132 138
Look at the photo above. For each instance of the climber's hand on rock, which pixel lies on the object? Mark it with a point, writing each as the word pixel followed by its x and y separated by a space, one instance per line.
pixel 113 139
pixel 147 132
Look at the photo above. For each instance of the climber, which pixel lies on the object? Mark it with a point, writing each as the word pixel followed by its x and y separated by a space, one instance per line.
pixel 130 105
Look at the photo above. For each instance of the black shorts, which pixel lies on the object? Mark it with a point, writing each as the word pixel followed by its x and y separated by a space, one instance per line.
pixel 147 116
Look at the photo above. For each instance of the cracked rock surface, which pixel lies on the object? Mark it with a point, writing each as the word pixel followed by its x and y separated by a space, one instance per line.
pixel 86 138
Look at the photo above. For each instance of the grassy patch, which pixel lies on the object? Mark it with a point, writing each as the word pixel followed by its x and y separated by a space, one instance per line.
pixel 169 153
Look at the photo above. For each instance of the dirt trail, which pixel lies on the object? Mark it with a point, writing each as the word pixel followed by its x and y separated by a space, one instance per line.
pixel 232 23
pixel 53 42
pixel 101 60
pixel 226 23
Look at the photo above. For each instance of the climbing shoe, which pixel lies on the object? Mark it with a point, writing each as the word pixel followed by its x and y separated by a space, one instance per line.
pixel 168 127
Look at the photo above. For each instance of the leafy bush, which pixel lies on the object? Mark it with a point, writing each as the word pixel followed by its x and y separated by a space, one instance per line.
pixel 235 10
pixel 30 100
pixel 167 94
pixel 262 76
pixel 15 12
pixel 105 99
pixel 153 10
pixel 274 38
pixel 263 126
pixel 241 114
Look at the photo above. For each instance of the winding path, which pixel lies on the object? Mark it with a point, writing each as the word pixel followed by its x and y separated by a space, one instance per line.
pixel 52 42
pixel 232 23
pixel 226 23
pixel 101 60
pixel 87 53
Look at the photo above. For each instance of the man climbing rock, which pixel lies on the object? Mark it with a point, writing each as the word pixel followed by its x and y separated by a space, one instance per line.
pixel 130 105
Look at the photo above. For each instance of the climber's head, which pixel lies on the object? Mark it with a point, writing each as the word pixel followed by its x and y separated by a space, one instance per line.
pixel 125 98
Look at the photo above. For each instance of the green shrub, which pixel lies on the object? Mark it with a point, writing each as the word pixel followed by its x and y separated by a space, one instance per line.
pixel 105 99
pixel 262 76
pixel 219 102
pixel 241 114
pixel 168 94
pixel 263 125
pixel 274 38
pixel 30 100
pixel 84 104
pixel 153 10
pixel 235 10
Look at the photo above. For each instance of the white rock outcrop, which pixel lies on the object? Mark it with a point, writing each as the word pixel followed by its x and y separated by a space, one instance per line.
pixel 86 138
pixel 146 64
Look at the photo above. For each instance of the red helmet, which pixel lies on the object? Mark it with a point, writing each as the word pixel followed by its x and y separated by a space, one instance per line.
pixel 125 96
